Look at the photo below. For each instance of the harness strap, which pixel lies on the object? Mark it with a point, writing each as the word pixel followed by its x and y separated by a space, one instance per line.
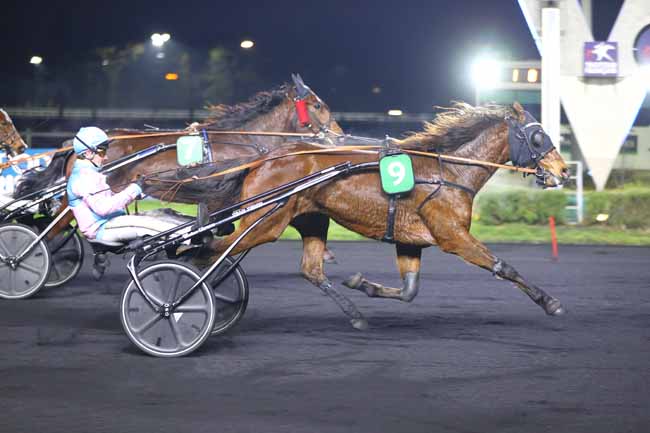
pixel 390 220
pixel 207 146
pixel 440 183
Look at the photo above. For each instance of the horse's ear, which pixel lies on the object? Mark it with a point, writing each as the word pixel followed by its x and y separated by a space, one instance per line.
pixel 301 89
pixel 519 110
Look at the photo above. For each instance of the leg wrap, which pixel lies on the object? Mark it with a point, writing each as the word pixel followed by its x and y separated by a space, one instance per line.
pixel 343 302
pixel 411 286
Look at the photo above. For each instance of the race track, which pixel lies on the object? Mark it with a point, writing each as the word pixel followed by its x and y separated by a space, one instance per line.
pixel 470 354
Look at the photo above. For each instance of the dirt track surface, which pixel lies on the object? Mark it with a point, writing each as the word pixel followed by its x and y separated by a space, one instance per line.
pixel 470 354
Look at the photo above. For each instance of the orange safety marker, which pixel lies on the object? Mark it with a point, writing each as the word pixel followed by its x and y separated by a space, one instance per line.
pixel 551 222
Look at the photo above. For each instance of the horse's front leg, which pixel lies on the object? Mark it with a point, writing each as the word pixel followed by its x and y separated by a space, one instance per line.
pixel 312 228
pixel 408 263
pixel 453 239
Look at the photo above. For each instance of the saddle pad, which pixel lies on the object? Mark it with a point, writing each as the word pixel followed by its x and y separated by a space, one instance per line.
pixel 189 150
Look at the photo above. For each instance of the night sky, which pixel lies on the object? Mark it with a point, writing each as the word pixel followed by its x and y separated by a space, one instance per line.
pixel 418 52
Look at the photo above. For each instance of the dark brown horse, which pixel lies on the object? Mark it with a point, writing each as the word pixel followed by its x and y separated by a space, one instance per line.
pixel 10 140
pixel 436 212
pixel 273 111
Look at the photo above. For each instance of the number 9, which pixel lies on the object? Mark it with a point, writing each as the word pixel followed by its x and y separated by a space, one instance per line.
pixel 396 170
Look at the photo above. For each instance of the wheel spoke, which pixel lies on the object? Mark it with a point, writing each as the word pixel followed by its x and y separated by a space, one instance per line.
pixel 176 332
pixel 226 299
pixel 55 269
pixel 19 250
pixel 155 319
pixel 12 281
pixel 191 309
pixel 5 251
pixel 30 268
pixel 173 291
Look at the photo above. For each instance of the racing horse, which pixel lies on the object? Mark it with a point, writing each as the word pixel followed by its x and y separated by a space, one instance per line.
pixel 437 211
pixel 10 140
pixel 273 110
pixel 11 143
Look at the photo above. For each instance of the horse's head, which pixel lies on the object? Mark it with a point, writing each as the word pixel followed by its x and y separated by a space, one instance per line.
pixel 313 113
pixel 530 146
pixel 10 141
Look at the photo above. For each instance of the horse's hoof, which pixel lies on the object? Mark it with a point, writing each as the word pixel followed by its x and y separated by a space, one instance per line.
pixel 360 324
pixel 554 307
pixel 97 274
pixel 354 282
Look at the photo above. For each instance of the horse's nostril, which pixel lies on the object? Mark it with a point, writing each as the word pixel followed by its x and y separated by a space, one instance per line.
pixel 565 173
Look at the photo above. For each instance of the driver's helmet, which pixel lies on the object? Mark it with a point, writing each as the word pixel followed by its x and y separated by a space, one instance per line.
pixel 90 138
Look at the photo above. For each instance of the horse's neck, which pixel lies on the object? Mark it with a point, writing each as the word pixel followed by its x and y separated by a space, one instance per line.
pixel 491 146
pixel 277 120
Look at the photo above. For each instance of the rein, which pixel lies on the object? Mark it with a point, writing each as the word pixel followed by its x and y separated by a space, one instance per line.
pixel 177 184
pixel 163 134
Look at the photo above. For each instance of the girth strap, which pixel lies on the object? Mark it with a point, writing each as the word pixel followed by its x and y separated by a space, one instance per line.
pixel 389 235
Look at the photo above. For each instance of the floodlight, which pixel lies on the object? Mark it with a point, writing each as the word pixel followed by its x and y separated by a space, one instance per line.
pixel 158 40
pixel 486 73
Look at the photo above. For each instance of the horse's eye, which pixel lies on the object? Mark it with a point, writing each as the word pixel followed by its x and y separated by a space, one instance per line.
pixel 317 106
pixel 538 139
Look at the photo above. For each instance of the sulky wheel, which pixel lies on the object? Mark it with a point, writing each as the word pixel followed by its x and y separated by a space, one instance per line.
pixel 231 296
pixel 67 252
pixel 230 292
pixel 186 326
pixel 21 278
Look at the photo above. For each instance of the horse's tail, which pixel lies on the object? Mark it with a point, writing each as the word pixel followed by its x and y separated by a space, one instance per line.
pixel 38 178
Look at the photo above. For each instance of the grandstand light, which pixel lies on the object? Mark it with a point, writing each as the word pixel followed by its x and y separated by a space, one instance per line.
pixel 36 60
pixel 532 76
pixel 171 76
pixel 395 112
pixel 515 75
pixel 247 44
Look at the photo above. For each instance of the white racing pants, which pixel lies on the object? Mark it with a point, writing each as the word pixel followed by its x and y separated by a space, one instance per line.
pixel 126 228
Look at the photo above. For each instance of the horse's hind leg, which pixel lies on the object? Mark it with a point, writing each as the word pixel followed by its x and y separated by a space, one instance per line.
pixel 462 243
pixel 312 270
pixel 312 263
pixel 408 262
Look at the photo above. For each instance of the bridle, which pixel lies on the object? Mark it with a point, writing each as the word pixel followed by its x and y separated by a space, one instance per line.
pixel 529 144
pixel 305 119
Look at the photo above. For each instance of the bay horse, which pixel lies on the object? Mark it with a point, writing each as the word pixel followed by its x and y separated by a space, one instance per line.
pixel 273 110
pixel 10 140
pixel 436 212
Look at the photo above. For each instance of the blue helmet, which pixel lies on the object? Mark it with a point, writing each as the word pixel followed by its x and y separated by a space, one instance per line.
pixel 89 138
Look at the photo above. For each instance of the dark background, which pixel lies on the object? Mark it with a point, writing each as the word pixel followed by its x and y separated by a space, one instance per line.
pixel 418 52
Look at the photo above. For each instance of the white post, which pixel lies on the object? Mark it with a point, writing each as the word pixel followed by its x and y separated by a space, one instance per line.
pixel 587 10
pixel 551 71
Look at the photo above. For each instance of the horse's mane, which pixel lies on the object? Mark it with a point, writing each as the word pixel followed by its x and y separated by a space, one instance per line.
pixel 234 116
pixel 455 126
